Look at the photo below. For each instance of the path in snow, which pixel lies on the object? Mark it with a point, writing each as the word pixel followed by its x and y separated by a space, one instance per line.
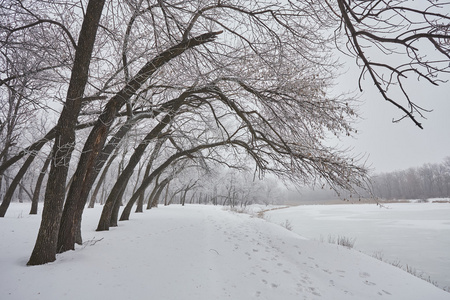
pixel 197 252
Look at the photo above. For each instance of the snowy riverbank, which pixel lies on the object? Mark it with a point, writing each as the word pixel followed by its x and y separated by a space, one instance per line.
pixel 413 235
pixel 195 252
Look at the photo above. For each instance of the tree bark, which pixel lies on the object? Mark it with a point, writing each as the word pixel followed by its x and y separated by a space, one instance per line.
pixel 116 208
pixel 140 202
pixel 101 180
pixel 152 194
pixel 167 194
pixel 37 189
pixel 46 244
pixel 158 145
pixel 154 202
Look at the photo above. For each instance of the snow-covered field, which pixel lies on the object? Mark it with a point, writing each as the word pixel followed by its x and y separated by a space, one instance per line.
pixel 416 235
pixel 195 252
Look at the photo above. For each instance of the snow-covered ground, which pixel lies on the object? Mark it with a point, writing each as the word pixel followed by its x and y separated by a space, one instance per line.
pixel 195 252
pixel 416 235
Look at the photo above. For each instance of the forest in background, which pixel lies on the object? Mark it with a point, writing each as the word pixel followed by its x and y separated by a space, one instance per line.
pixel 424 182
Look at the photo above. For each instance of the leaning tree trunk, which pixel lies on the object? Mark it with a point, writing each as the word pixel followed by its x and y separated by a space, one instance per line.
pixel 183 197
pixel 148 180
pixel 46 244
pixel 98 135
pixel 116 208
pixel 155 200
pixel 125 216
pixel 156 149
pixel 140 203
pixel 101 180
pixel 122 181
pixel 127 210
pixel 152 194
pixel 106 156
pixel 12 188
pixel 79 190
pixel 37 189
pixel 120 185
pixel 167 194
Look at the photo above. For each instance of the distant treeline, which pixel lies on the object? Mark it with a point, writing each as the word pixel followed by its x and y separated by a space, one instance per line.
pixel 427 181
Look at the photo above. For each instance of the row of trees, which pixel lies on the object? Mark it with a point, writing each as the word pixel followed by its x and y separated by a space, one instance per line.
pixel 151 93
pixel 427 181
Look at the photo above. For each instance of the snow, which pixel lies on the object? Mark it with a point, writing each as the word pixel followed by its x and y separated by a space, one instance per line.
pixel 416 235
pixel 195 252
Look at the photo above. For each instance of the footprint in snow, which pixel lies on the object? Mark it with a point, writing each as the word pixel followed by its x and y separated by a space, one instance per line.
pixel 369 283
pixel 364 274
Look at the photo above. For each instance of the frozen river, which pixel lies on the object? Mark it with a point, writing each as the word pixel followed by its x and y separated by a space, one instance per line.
pixel 416 235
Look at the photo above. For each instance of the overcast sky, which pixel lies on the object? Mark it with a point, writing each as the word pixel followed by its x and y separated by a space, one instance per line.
pixel 395 146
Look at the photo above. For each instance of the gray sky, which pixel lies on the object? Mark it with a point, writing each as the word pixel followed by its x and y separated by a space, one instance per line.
pixel 395 146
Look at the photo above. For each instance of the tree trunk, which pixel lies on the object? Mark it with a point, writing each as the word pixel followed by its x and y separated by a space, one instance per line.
pixel 123 179
pixel 98 135
pixel 140 203
pixel 101 180
pixel 106 152
pixel 46 244
pixel 37 189
pixel 155 200
pixel 158 145
pixel 183 198
pixel 148 180
pixel 167 194
pixel 152 194
pixel 116 208
pixel 12 188
pixel 127 210
pixel 81 186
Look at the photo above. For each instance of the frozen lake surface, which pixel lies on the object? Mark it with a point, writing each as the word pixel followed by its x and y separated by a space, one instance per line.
pixel 416 235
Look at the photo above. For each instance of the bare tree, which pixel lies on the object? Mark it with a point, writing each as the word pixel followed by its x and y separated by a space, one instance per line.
pixel 427 181
pixel 46 244
pixel 397 40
